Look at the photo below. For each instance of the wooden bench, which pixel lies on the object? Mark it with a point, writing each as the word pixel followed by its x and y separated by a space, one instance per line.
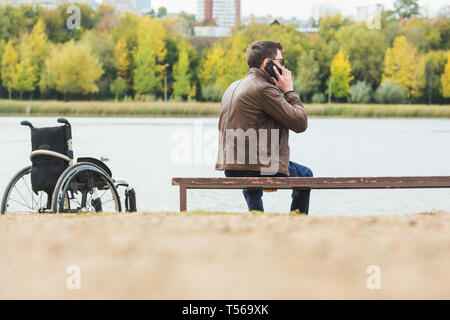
pixel 307 183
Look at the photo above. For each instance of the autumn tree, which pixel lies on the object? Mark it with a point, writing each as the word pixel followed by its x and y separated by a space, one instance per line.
pixel 445 78
pixel 181 86
pixel 149 54
pixel 2 51
pixel 33 49
pixel 340 70
pixel 403 66
pixel 25 77
pixel 71 68
pixel 9 67
pixel 123 63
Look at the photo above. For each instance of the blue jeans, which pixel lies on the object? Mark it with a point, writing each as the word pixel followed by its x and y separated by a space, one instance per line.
pixel 300 197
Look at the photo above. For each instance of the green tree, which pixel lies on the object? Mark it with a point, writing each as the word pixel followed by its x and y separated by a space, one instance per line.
pixel 434 68
pixel 340 70
pixel 102 46
pixel 406 8
pixel 71 68
pixel 181 87
pixel 329 25
pixel 9 67
pixel 307 80
pixel 162 11
pixel 365 49
pixel 119 87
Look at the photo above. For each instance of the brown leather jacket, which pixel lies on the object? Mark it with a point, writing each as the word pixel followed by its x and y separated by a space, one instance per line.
pixel 255 105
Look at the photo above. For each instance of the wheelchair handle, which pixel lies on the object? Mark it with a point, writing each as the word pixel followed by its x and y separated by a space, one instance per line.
pixel 27 123
pixel 63 120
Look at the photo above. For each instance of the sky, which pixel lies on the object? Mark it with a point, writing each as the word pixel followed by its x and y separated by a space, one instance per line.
pixel 288 8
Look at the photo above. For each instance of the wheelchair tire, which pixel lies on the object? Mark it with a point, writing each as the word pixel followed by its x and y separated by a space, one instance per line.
pixel 19 197
pixel 91 183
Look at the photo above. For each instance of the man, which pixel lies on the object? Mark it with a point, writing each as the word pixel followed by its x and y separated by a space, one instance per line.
pixel 257 110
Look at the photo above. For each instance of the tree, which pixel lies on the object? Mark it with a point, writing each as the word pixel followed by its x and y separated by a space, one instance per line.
pixel 329 25
pixel 212 68
pixel 365 49
pixel 25 77
pixel 361 92
pixel 9 67
pixel 2 51
pixel 33 50
pixel 406 8
pixel 103 47
pixel 63 69
pixel 434 68
pixel 181 87
pixel 121 55
pixel 149 52
pixel 307 81
pixel 119 87
pixel 445 78
pixel 162 11
pixel 403 66
pixel 340 70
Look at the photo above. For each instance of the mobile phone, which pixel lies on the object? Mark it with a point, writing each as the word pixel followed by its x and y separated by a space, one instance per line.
pixel 269 69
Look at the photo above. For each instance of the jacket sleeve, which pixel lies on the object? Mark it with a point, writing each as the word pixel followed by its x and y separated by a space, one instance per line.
pixel 286 109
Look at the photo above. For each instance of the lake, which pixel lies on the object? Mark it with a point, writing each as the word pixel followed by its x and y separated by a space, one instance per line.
pixel 149 152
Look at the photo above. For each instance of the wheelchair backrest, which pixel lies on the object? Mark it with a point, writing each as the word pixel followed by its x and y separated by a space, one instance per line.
pixel 53 139
pixel 46 169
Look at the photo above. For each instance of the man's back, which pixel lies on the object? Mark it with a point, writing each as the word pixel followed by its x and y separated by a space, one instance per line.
pixel 257 107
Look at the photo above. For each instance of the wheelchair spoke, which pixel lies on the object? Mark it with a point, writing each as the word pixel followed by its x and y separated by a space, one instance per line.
pixel 24 205
pixel 31 194
pixel 22 197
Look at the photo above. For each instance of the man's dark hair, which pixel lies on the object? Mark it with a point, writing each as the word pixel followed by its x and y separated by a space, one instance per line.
pixel 259 50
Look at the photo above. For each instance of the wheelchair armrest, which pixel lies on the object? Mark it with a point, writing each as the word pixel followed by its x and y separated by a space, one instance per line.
pixel 50 153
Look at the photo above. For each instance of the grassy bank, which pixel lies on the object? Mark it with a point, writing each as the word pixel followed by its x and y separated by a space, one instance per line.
pixel 206 109
pixel 215 256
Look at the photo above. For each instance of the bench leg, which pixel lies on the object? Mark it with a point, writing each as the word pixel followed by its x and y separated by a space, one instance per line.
pixel 183 198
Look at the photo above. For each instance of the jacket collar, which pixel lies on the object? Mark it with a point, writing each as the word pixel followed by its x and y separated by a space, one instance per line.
pixel 261 73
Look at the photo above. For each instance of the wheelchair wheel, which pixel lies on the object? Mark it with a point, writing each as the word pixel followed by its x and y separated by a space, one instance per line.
pixel 85 187
pixel 20 198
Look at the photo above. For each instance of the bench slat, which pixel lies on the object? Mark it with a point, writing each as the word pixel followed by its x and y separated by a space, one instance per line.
pixel 315 183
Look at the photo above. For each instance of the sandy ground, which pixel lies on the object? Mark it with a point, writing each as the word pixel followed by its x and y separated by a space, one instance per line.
pixel 173 256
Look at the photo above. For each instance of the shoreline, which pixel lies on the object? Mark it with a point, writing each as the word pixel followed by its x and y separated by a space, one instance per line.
pixel 40 108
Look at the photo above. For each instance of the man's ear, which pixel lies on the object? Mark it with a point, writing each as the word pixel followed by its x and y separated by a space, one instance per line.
pixel 265 62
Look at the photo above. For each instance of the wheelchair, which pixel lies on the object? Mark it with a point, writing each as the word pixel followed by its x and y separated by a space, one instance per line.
pixel 54 184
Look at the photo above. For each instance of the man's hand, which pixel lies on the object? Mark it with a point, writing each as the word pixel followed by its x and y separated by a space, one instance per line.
pixel 284 82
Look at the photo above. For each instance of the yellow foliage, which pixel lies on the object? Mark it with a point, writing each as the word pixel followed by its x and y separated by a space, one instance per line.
pixel 9 65
pixel 404 66
pixel 121 55
pixel 340 69
pixel 72 68
pixel 445 78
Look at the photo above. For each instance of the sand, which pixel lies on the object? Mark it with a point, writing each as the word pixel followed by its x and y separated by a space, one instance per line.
pixel 245 256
